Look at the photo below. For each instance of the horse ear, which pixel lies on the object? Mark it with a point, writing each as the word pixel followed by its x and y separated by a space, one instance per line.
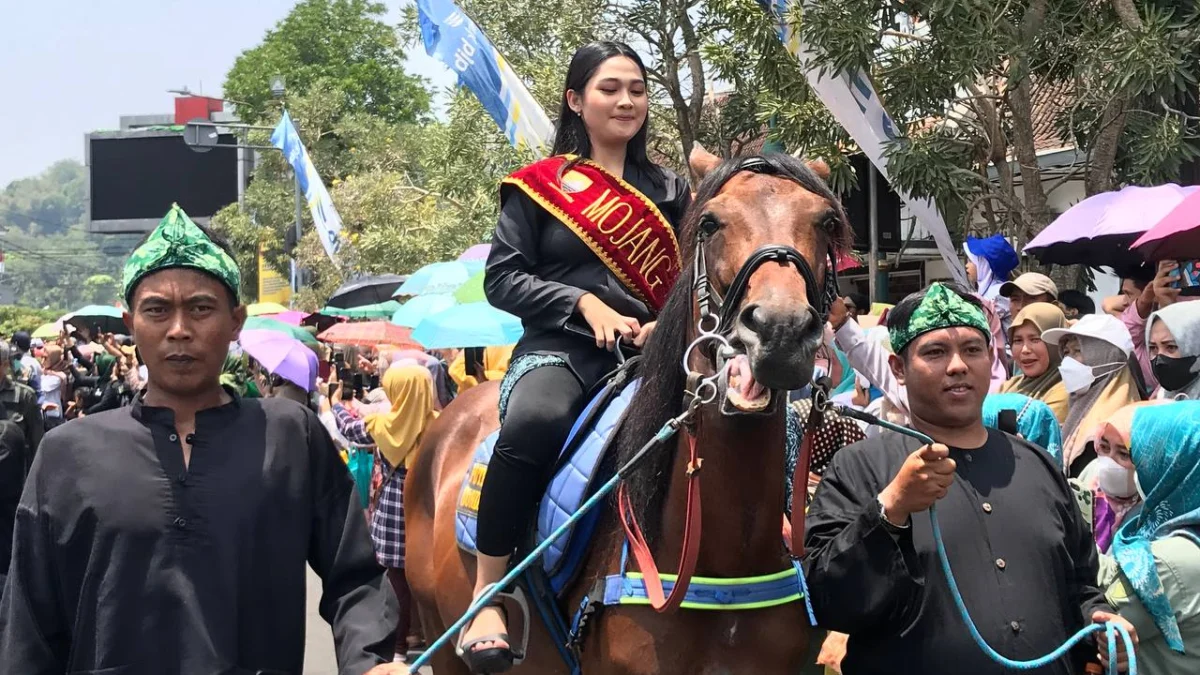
pixel 702 161
pixel 819 167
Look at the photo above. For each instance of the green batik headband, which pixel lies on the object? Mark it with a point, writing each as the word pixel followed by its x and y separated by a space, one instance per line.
pixel 177 242
pixel 940 308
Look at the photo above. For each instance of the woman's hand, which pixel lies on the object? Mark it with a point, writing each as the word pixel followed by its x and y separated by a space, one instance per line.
pixel 644 336
pixel 606 322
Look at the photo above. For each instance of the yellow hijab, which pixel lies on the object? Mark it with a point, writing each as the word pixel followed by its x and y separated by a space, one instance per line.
pixel 398 431
pixel 495 365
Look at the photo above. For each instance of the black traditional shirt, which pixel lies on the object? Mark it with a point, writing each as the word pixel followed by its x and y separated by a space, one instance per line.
pixel 126 562
pixel 1020 552
pixel 538 269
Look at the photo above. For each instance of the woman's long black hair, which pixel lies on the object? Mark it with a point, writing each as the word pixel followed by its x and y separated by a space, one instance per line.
pixel 571 136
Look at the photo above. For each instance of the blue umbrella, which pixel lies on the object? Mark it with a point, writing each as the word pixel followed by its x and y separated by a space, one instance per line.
pixel 415 310
pixel 442 277
pixel 475 324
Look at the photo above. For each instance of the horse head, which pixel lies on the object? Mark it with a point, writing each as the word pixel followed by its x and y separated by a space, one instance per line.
pixel 763 233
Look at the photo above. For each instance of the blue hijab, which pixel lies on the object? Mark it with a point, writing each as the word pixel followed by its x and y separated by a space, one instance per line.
pixel 1165 446
pixel 1035 420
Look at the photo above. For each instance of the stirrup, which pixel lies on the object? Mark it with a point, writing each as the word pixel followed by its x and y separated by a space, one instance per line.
pixel 497 659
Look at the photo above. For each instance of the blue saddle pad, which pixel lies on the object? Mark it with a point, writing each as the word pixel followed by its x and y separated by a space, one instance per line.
pixel 568 489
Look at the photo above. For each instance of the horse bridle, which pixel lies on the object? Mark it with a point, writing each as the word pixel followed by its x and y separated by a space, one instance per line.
pixel 723 310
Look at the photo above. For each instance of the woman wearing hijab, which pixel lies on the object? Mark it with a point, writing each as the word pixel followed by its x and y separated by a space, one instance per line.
pixel 1035 421
pixel 1155 581
pixel 989 262
pixel 1173 342
pixel 397 433
pixel 1096 371
pixel 1037 359
pixel 1111 476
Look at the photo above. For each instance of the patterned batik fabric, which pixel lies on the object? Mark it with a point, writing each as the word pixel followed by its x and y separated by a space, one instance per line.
pixel 835 433
pixel 940 308
pixel 1165 446
pixel 519 368
pixel 178 242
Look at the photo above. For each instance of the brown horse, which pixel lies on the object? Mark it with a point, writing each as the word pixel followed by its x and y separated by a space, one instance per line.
pixel 773 327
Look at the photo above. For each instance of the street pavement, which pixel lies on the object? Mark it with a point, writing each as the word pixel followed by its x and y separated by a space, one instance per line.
pixel 319 658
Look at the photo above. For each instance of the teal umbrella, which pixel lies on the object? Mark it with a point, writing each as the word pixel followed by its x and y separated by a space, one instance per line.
pixel 442 277
pixel 382 310
pixel 263 323
pixel 472 291
pixel 475 324
pixel 419 307
pixel 106 317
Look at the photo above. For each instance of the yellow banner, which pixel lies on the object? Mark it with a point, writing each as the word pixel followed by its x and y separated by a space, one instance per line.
pixel 272 286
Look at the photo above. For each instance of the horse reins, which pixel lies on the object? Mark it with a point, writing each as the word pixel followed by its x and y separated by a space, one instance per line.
pixel 723 311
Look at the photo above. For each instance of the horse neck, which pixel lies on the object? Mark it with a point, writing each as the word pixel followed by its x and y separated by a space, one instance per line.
pixel 742 493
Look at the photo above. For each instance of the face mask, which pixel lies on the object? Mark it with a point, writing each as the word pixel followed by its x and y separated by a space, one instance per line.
pixel 1137 483
pixel 1114 479
pixel 1076 376
pixel 1174 374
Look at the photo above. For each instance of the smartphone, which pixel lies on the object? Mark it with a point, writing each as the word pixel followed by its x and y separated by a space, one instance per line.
pixel 346 377
pixel 338 359
pixel 1188 281
pixel 358 385
pixel 374 382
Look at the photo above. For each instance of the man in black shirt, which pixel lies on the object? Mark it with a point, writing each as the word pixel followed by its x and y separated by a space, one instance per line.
pixel 1024 560
pixel 171 536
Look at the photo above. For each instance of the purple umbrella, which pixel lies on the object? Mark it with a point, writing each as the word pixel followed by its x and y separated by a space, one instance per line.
pixel 1099 230
pixel 476 252
pixel 282 355
pixel 1176 236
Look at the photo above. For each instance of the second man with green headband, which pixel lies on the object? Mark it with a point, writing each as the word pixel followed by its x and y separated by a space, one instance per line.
pixel 1022 555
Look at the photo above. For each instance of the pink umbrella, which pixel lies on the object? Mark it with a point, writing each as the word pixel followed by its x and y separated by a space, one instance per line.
pixel 476 252
pixel 292 318
pixel 1176 236
pixel 1099 230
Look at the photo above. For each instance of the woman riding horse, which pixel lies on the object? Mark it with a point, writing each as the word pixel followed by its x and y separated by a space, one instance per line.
pixel 586 235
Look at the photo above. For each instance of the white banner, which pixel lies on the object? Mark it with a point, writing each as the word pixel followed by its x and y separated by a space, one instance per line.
pixel 853 102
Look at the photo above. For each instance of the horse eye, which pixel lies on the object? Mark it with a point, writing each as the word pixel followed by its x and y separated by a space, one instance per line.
pixel 830 223
pixel 709 225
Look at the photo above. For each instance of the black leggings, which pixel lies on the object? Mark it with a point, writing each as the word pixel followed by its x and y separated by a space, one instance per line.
pixel 541 410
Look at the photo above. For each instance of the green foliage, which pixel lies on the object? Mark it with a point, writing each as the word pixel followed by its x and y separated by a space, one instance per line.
pixel 345 42
pixel 14 318
pixel 965 79
pixel 48 255
pixel 48 203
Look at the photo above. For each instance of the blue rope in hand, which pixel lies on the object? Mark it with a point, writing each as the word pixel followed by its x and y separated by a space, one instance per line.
pixel 1111 629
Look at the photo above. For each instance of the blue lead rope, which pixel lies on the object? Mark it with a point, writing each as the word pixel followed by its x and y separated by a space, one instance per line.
pixel 1111 629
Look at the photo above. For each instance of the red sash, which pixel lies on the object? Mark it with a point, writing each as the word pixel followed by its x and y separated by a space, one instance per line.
pixel 621 225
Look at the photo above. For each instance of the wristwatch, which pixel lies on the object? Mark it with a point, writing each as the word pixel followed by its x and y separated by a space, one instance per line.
pixel 884 518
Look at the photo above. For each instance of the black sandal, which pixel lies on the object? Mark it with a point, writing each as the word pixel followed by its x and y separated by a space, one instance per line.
pixel 493 660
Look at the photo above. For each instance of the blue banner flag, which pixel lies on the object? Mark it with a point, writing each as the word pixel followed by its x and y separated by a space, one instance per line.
pixel 324 215
pixel 454 39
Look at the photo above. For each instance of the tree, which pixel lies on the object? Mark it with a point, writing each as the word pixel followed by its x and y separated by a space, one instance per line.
pixel 344 42
pixel 962 79
pixel 48 254
pixel 101 289
pixel 48 203
pixel 15 317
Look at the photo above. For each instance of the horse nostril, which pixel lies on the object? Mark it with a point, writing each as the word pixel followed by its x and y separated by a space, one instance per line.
pixel 752 317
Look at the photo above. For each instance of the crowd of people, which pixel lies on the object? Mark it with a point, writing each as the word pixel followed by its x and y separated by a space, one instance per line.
pixel 162 492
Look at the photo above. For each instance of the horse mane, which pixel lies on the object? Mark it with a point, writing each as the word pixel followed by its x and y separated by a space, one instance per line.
pixel 660 395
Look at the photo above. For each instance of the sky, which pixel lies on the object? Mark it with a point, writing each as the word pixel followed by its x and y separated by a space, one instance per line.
pixel 68 67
